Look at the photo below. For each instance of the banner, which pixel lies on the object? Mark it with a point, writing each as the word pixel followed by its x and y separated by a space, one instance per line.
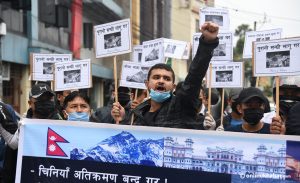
pixel 113 38
pixel 41 65
pixel 64 151
pixel 175 49
pixel 277 57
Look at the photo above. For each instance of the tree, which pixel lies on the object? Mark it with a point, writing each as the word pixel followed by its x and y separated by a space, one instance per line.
pixel 240 32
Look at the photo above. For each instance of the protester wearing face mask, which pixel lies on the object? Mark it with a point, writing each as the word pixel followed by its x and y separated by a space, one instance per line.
pixel 165 109
pixel 289 96
pixel 103 114
pixel 77 107
pixel 251 106
pixel 41 102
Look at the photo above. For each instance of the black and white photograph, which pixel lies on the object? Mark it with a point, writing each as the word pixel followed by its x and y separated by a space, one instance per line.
pixel 224 76
pixel 220 50
pixel 153 55
pixel 48 68
pixel 72 76
pixel 195 43
pixel 112 40
pixel 278 59
pixel 170 49
pixel 139 77
pixel 218 19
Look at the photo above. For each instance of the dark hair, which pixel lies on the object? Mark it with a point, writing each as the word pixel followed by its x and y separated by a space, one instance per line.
pixel 73 95
pixel 161 66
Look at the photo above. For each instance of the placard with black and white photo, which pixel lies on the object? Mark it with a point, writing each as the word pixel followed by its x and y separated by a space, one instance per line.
pixel 277 57
pixel 72 75
pixel 226 75
pixel 174 48
pixel 112 38
pixel 41 65
pixel 224 51
pixel 195 43
pixel 265 35
pixel 187 50
pixel 219 16
pixel 137 53
pixel 134 75
pixel 153 52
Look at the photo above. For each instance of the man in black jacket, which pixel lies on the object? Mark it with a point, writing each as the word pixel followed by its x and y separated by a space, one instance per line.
pixel 165 109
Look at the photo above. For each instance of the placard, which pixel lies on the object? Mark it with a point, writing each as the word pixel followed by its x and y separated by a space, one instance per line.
pixel 134 75
pixel 264 35
pixel 52 151
pixel 186 54
pixel 195 43
pixel 226 75
pixel 73 75
pixel 175 48
pixel 137 53
pixel 279 57
pixel 112 38
pixel 153 52
pixel 219 16
pixel 224 51
pixel 41 65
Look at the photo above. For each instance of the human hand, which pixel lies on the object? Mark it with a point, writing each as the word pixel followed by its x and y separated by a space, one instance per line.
pixel 209 31
pixel 209 122
pixel 117 112
pixel 220 128
pixel 277 126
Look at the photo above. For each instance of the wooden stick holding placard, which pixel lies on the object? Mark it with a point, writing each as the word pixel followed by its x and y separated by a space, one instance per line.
pixel 209 89
pixel 116 81
pixel 135 97
pixel 222 109
pixel 277 95
pixel 257 81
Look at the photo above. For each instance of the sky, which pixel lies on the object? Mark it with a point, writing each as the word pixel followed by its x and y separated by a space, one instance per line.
pixel 269 14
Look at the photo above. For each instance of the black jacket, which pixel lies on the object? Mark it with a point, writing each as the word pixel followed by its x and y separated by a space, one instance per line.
pixel 180 111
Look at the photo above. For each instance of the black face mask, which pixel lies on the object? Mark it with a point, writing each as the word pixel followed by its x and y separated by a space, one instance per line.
pixel 44 109
pixel 234 109
pixel 285 106
pixel 253 116
pixel 123 98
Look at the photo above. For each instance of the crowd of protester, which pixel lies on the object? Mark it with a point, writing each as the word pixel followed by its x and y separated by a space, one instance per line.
pixel 183 106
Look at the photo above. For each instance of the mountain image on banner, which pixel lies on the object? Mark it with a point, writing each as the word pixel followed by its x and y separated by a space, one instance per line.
pixel 123 148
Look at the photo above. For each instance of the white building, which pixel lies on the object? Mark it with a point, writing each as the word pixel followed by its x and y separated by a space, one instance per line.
pixel 223 160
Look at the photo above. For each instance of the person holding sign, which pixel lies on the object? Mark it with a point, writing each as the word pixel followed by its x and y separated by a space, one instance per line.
pixel 164 109
pixel 251 106
pixel 289 95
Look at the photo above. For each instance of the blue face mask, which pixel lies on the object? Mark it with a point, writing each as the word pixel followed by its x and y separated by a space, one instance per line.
pixel 78 116
pixel 159 97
